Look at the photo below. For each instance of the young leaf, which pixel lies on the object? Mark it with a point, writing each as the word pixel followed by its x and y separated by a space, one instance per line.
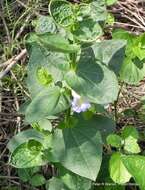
pixel 52 42
pixel 111 2
pixel 133 68
pixel 44 24
pixel 130 136
pixel 87 30
pixel 114 140
pixel 110 19
pixel 44 77
pixel 37 180
pixel 132 73
pixel 48 102
pixel 62 12
pixel 129 130
pixel 45 125
pixel 135 164
pixel 93 80
pixel 118 172
pixel 131 145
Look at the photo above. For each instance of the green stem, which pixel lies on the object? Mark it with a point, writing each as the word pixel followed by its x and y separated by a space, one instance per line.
pixel 116 103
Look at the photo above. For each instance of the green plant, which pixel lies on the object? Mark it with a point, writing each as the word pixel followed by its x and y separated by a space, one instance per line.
pixel 72 76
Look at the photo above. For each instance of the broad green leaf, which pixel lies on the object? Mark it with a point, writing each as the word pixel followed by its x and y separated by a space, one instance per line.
pixel 135 164
pixel 114 140
pixel 104 180
pixel 25 174
pixel 28 155
pixel 24 137
pixel 52 42
pixel 93 80
pixel 87 30
pixel 104 124
pixel 37 180
pixel 48 102
pixel 114 56
pixel 131 145
pixel 55 184
pixel 98 10
pixel 118 172
pixel 111 2
pixel 129 130
pixel 123 34
pixel 45 24
pixel 131 72
pixel 73 181
pixel 62 12
pixel 79 149
pixel 54 64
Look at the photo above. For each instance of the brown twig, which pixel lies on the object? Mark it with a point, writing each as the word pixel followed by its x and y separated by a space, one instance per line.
pixel 23 27
pixel 13 61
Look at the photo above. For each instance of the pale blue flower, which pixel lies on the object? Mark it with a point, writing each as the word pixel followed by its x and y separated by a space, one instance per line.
pixel 79 104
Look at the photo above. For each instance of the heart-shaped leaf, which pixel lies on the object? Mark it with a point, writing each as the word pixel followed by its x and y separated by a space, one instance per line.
pixel 48 102
pixel 118 171
pixel 132 72
pixel 93 80
pixel 135 164
pixel 79 149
